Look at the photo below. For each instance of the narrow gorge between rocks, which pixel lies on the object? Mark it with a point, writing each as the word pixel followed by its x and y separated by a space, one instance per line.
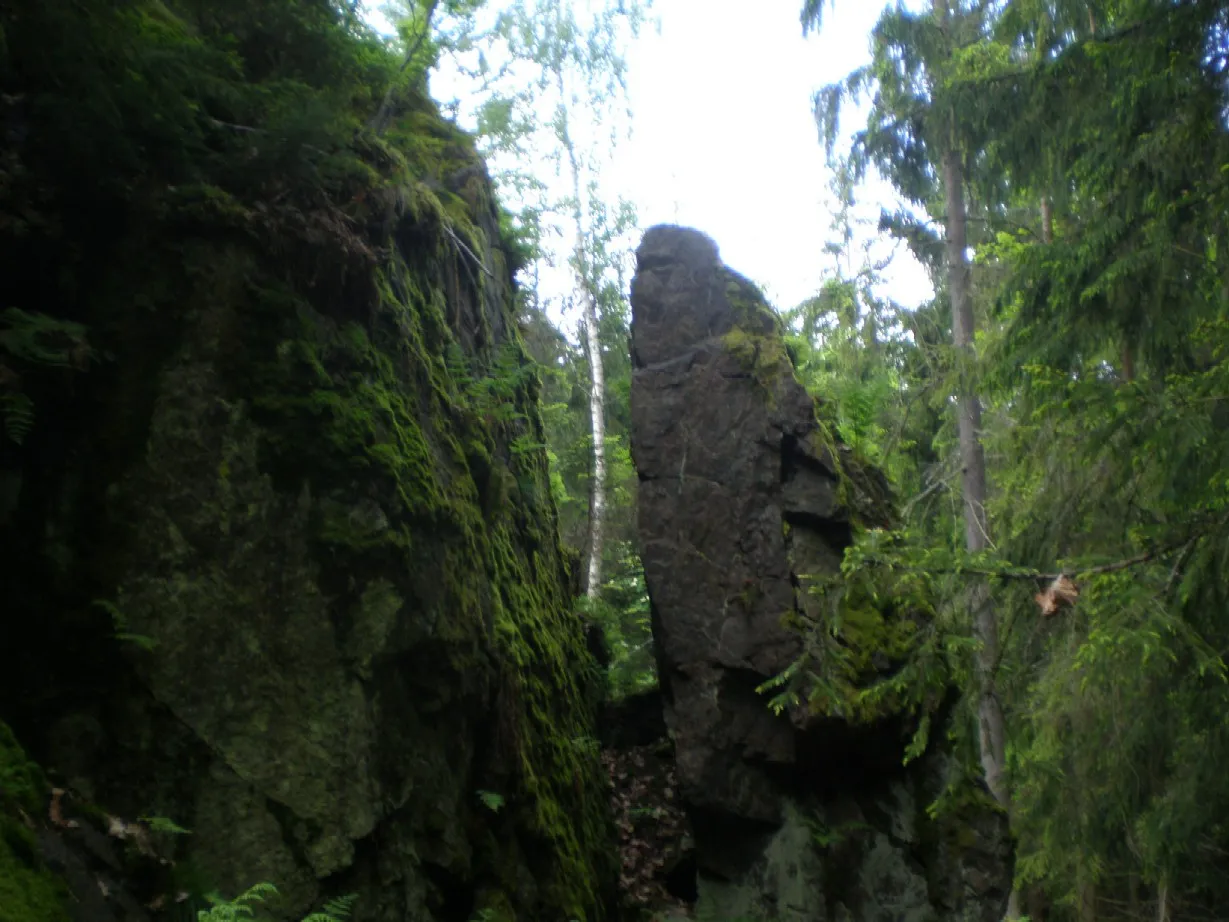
pixel 407 516
pixel 400 650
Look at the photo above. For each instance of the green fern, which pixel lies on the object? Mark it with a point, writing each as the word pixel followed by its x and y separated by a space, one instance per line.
pixel 120 621
pixel 335 910
pixel 33 339
pixel 39 339
pixel 238 909
pixel 18 414
pixel 491 800
pixel 162 824
pixel 244 906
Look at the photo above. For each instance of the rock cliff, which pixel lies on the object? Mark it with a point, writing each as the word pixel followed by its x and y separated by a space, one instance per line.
pixel 741 508
pixel 280 561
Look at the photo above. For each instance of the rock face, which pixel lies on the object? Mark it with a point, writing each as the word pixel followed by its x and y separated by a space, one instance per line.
pixel 798 819
pixel 284 571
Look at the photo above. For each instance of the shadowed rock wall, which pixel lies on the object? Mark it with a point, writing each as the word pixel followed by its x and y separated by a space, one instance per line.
pixel 281 570
pixel 794 818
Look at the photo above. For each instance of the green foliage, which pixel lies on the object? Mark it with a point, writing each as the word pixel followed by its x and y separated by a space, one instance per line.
pixel 241 907
pixel 22 784
pixel 39 339
pixel 335 910
pixel 30 341
pixel 546 76
pixel 877 648
pixel 622 608
pixel 120 623
pixel 29 891
pixel 246 906
pixel 491 800
pixel 162 824
pixel 826 836
pixel 1094 144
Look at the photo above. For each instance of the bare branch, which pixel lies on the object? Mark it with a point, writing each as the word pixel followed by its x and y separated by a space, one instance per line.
pixel 465 249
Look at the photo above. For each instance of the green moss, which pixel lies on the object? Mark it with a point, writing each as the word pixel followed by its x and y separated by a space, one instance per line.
pixel 750 307
pixel 21 782
pixel 29 892
pixel 761 356
pixel 861 487
pixel 465 523
pixel 561 781
pixel 755 339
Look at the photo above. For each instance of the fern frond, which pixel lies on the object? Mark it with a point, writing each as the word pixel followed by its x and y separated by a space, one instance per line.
pixel 17 411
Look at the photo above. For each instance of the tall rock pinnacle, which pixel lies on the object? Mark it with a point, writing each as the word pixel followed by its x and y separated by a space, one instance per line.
pixel 739 511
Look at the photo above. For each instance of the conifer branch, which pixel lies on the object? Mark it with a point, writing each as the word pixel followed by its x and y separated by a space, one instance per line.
pixel 1068 573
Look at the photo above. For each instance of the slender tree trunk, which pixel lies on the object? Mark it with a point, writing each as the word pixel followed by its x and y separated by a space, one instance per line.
pixel 992 735
pixel 1162 900
pixel 1088 902
pixel 379 121
pixel 973 468
pixel 1047 220
pixel 597 486
pixel 586 289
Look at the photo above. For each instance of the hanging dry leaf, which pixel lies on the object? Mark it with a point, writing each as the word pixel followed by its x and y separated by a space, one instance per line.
pixel 55 812
pixel 1061 593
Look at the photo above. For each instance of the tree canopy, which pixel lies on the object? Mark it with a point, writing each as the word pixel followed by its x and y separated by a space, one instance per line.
pixel 1092 141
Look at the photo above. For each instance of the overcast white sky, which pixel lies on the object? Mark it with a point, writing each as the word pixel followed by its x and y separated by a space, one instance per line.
pixel 724 139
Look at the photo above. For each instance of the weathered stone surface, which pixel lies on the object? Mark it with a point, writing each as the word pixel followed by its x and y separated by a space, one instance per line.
pixel 798 818
pixel 346 605
pixel 723 438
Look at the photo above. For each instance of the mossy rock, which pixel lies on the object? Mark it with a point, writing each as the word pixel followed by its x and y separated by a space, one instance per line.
pixel 295 470
pixel 29 891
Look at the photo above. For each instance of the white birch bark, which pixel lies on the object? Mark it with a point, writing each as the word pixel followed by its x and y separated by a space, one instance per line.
pixel 586 291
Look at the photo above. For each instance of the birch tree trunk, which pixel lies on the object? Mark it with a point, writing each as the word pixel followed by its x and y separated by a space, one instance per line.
pixel 586 290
